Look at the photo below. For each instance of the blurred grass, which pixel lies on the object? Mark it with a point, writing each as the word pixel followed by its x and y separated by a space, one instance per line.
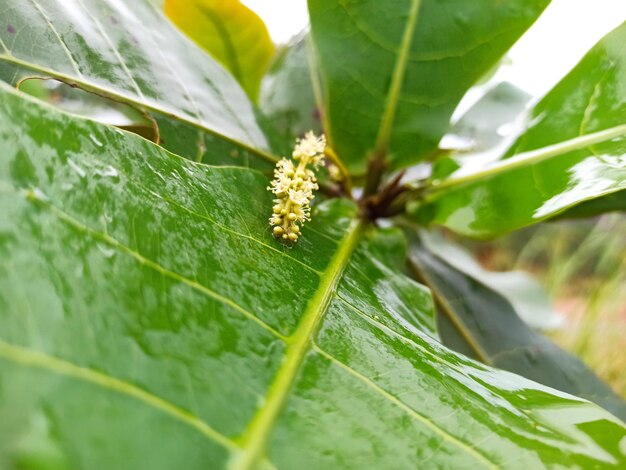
pixel 582 265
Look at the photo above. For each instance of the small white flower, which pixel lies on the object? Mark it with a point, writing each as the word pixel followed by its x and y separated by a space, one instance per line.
pixel 294 187
pixel 299 197
pixel 310 146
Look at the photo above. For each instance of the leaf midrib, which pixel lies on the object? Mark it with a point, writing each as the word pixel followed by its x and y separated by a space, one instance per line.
pixel 526 159
pixel 389 112
pixel 254 439
pixel 229 47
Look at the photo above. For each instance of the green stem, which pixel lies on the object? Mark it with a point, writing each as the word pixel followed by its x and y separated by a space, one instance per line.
pixel 389 113
pixel 377 161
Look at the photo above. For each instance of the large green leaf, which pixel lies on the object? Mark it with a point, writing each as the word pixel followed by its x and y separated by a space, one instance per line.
pixel 591 98
pixel 480 322
pixel 148 318
pixel 230 32
pixel 573 151
pixel 394 71
pixel 129 52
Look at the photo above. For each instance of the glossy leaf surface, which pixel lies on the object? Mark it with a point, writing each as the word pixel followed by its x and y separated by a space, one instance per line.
pixel 127 51
pixel 287 96
pixel 90 105
pixel 394 71
pixel 572 152
pixel 591 98
pixel 611 202
pixel 480 322
pixel 148 318
pixel 230 32
pixel 174 135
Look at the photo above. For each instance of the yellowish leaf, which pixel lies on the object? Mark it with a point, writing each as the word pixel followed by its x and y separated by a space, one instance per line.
pixel 230 32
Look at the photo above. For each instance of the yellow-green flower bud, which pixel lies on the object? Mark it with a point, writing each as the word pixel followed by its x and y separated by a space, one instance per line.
pixel 293 187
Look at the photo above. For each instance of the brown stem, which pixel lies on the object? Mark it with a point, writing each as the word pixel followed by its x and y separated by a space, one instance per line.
pixel 378 205
pixel 375 169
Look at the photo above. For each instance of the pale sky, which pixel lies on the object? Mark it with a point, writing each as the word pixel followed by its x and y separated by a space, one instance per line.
pixel 553 45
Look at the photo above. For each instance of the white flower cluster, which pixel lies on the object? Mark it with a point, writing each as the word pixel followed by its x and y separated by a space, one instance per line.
pixel 294 185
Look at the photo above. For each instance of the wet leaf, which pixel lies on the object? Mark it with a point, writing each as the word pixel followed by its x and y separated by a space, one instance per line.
pixel 148 318
pixel 611 202
pixel 230 32
pixel 486 124
pixel 527 297
pixel 573 151
pixel 480 322
pixel 129 52
pixel 394 71
pixel 484 132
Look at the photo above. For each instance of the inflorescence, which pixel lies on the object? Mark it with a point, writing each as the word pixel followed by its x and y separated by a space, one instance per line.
pixel 294 186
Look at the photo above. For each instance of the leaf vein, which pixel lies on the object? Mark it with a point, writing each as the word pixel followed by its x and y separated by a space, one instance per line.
pixel 41 11
pixel 153 264
pixel 32 358
pixel 431 56
pixel 4 46
pixel 115 51
pixel 388 330
pixel 407 409
pixel 221 226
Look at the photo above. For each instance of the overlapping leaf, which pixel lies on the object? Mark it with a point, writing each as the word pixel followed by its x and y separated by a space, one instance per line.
pixel 148 318
pixel 230 32
pixel 528 298
pixel 480 322
pixel 129 52
pixel 394 71
pixel 485 124
pixel 572 152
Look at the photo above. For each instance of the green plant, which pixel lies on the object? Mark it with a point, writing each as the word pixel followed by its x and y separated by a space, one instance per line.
pixel 149 318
